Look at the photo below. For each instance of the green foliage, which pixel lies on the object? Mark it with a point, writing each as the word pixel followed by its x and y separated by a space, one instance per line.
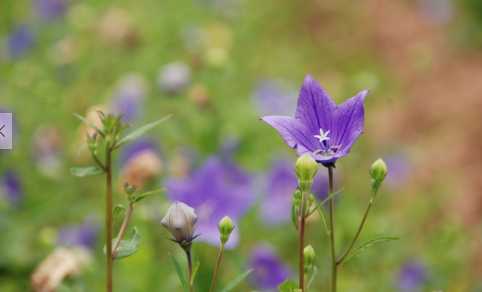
pixel 288 286
pixel 140 131
pixel 86 171
pixel 236 281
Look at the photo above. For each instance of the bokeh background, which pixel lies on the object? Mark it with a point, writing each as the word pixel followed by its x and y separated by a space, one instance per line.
pixel 217 66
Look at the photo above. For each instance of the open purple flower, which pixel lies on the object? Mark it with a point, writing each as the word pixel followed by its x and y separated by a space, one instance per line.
pixel 217 189
pixel 268 270
pixel 321 127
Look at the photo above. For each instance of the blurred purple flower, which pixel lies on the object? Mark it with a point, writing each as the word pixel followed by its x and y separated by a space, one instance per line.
pixel 47 144
pixel 439 11
pixel 128 98
pixel 140 162
pixel 398 170
pixel 281 182
pixel 50 9
pixel 320 127
pixel 19 41
pixel 131 151
pixel 11 188
pixel 412 276
pixel 218 188
pixel 84 235
pixel 174 77
pixel 271 97
pixel 268 270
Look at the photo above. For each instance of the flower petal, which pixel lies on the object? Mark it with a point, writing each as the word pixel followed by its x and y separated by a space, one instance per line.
pixel 293 132
pixel 315 108
pixel 348 122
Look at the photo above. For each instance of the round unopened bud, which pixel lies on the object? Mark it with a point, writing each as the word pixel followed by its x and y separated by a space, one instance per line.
pixel 306 168
pixel 309 256
pixel 180 220
pixel 378 172
pixel 226 226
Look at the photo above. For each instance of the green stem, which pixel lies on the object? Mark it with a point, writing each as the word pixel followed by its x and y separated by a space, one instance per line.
pixel 216 268
pixel 189 268
pixel 358 232
pixel 108 218
pixel 332 231
pixel 123 228
pixel 301 244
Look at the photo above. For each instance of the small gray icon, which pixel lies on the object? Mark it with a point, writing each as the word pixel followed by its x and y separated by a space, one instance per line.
pixel 6 131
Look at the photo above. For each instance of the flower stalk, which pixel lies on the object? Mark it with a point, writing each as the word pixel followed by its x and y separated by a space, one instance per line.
pixel 301 243
pixel 123 228
pixel 334 266
pixel 108 218
pixel 189 267
pixel 216 268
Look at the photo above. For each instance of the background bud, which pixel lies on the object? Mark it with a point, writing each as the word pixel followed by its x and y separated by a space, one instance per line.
pixel 180 220
pixel 306 168
pixel 309 255
pixel 226 226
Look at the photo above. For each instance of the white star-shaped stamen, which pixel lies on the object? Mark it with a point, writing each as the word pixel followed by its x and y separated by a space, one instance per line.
pixel 323 136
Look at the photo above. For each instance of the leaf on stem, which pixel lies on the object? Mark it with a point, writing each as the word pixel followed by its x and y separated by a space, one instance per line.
pixel 86 171
pixel 288 286
pixel 84 120
pixel 128 246
pixel 180 274
pixel 140 197
pixel 362 247
pixel 236 281
pixel 195 269
pixel 140 131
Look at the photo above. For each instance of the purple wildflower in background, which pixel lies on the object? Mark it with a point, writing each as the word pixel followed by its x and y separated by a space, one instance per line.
pixel 321 127
pixel 11 188
pixel 128 98
pixel 47 150
pixel 218 188
pixel 398 170
pixel 50 9
pixel 19 41
pixel 268 270
pixel 271 97
pixel 174 77
pixel 84 235
pixel 134 150
pixel 412 276
pixel 280 184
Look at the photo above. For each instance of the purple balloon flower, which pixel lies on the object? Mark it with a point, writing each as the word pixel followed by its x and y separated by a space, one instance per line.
pixel 281 182
pixel 321 127
pixel 50 9
pixel 218 188
pixel 268 270
pixel 19 41
pixel 11 187
pixel 412 276
pixel 84 235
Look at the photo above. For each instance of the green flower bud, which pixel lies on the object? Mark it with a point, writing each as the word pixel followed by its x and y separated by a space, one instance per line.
pixel 378 172
pixel 226 226
pixel 306 168
pixel 309 256
pixel 129 189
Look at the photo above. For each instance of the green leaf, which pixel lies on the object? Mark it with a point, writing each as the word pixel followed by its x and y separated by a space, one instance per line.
pixel 288 286
pixel 312 277
pixel 180 274
pixel 86 171
pixel 128 247
pixel 236 281
pixel 84 120
pixel 362 247
pixel 118 215
pixel 140 197
pixel 141 131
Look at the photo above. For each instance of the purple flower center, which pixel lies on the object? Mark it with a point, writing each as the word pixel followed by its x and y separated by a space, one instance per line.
pixel 326 149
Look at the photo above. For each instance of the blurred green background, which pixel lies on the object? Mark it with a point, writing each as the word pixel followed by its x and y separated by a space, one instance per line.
pixel 421 61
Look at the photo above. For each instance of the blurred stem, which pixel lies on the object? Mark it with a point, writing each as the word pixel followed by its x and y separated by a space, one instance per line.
pixel 216 268
pixel 332 231
pixel 189 267
pixel 108 218
pixel 301 244
pixel 358 232
pixel 123 228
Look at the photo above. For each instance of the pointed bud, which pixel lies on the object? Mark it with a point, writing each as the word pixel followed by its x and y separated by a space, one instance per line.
pixel 378 172
pixel 129 189
pixel 306 168
pixel 309 256
pixel 180 221
pixel 226 226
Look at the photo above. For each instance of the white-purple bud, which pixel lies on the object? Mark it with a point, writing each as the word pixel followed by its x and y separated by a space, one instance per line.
pixel 180 220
